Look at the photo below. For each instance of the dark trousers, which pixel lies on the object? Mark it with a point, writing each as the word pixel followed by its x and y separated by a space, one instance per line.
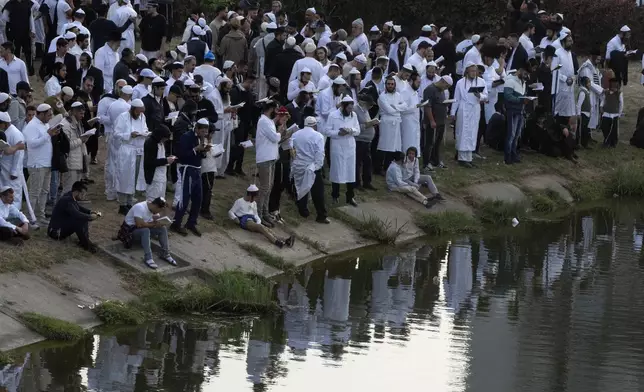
pixel 482 128
pixel 432 146
pixel 317 195
pixel 207 182
pixel 81 229
pixel 376 156
pixel 363 163
pixel 191 194
pixel 327 151
pixel 515 126
pixel 610 128
pixel 22 42
pixel 92 146
pixel 335 190
pixel 173 173
pixel 388 157
pixel 236 151
pixel 282 180
pixel 6 234
pixel 584 131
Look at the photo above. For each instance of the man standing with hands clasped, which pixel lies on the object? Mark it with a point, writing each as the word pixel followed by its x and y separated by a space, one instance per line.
pixel 515 101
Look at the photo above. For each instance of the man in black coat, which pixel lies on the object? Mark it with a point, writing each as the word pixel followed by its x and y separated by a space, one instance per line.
pixel 122 69
pixel 283 64
pixel 274 48
pixel 518 56
pixel 154 111
pixel 101 28
pixel 238 94
pixel 18 29
pixel 447 49
pixel 87 69
pixel 68 218
pixel 50 59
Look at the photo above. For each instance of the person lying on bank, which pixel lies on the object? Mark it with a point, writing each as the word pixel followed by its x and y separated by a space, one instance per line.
pixel 68 218
pixel 14 225
pixel 244 212
pixel 412 176
pixel 396 183
pixel 144 221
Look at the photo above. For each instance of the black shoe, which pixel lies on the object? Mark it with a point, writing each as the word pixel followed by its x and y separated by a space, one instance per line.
pixel 279 243
pixel 358 188
pixel 516 160
pixel 439 197
pixel 207 216
pixel 90 247
pixel 32 72
pixel 94 162
pixel 220 177
pixel 370 187
pixel 240 173
pixel 194 230
pixel 178 229
pixel 267 223
pixel 290 241
pixel 123 210
pixel 429 203
pixel 230 173
pixel 507 162
pixel 325 221
pixel 352 202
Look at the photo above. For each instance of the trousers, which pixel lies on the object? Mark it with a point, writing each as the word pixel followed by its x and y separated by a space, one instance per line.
pixel 266 171
pixel 364 163
pixel 191 191
pixel 317 195
pixel 81 229
pixel 145 234
pixel 281 180
pixel 432 146
pixel 38 185
pixel 207 183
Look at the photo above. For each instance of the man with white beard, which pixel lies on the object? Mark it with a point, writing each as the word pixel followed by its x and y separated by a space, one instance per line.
pixel 563 81
pixel 467 110
pixel 391 105
pixel 104 118
pixel 131 130
pixel 11 166
pixel 220 98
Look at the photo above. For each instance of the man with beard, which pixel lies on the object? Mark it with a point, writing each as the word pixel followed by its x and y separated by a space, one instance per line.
pixel 544 76
pixel 590 70
pixel 283 63
pixel 87 69
pixel 360 42
pixel 514 90
pixel 131 130
pixel 329 100
pixel 220 98
pixel 550 37
pixel 153 102
pixel 616 55
pixel 155 162
pixel 17 109
pixel 435 118
pixel 563 81
pixel 108 130
pixel 391 106
pixel 295 86
pixel 332 73
pixel 221 16
pixel 273 49
pixel 242 92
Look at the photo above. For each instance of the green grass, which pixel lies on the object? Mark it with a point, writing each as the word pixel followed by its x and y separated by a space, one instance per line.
pixel 499 212
pixel 628 180
pixel 447 222
pixel 121 313
pixel 589 190
pixel 546 201
pixel 5 359
pixel 371 227
pixel 52 328
pixel 269 258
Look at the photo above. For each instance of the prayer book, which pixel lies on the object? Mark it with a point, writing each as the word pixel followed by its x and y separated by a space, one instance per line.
pixel 439 60
pixel 216 149
pixel 246 144
pixel 448 101
pixel 57 119
pixel 165 221
pixel 292 128
pixel 424 103
pixel 144 134
pixel 4 145
pixel 239 105
pixel 530 98
pixel 631 52
pixel 172 117
pixel 263 100
pixel 476 89
pixel 91 132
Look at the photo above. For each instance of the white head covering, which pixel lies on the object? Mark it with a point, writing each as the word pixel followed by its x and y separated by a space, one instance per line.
pixel 43 107
pixel 158 80
pixel 263 26
pixel 309 48
pixel 374 29
pixel 560 15
pixel 4 97
pixel 448 79
pixel 203 121
pixel 197 30
pixel 408 67
pixel 389 23
pixel 77 105
pixel 69 36
pixel 5 188
pixel 79 11
pixel 137 103
pixel 230 14
pixel 426 28
pixel 147 73
pixel 361 59
pixel 68 91
pixel 625 29
pixel 358 22
pixel 252 188
pixel 442 29
pixel 223 79
pixel 4 117
pixel 305 70
pixel 310 121
pixel 201 22
pixel 290 42
pixel 341 55
pixel 339 80
pixel 354 71
pixel 127 90
pixel 311 10
pixel 347 98
pixel 563 35
pixel 475 38
pixel 470 64
pixel 541 12
pixel 431 64
pixel 142 57
pixel 228 64
pixel 271 25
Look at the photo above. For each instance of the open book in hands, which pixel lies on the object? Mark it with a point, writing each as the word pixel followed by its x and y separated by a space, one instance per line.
pixel 91 132
pixel 164 221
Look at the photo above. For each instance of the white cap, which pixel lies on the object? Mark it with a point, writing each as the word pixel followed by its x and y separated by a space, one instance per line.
pixel 426 28
pixel 5 188
pixel 309 48
pixel 358 22
pixel 182 48
pixel 341 55
pixel 374 29
pixel 389 23
pixel 334 65
pixel 4 117
pixel 147 73
pixel 347 98
pixel 238 17
pixel 203 121
pixel 290 41
pixel 310 121
pixel 305 70
pixel 339 80
pixel 68 91
pixel 77 105
pixel 142 57
pixel 263 26
pixel 252 188
pixel 383 58
pixel 470 64
pixel 43 107
pixel 408 67
pixel 475 38
pixel 230 14
pixel 431 64
pixel 197 30
pixel 201 22
pixel 625 29
pixel 361 59
pixel 563 35
pixel 79 11
pixel 228 64
pixel 127 89
pixel 442 29
pixel 223 79
pixel 311 10
pixel 541 12
pixel 271 25
pixel 448 79
pixel 354 71
pixel 4 97
pixel 137 103
pixel 69 35
pixel 560 15
pixel 188 83
pixel 397 28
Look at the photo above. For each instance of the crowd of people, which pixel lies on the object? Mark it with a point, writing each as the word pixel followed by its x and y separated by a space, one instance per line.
pixel 316 104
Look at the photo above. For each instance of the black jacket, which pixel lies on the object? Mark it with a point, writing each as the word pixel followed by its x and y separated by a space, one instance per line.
pixel 60 147
pixel 272 50
pixel 4 81
pixel 154 114
pixel 282 66
pixel 371 89
pixel 123 71
pixel 520 57
pixel 19 13
pixel 197 48
pixel 153 29
pixel 207 109
pixel 67 213
pixel 447 49
pixel 150 160
pixel 47 66
pixel 97 74
pixel 101 28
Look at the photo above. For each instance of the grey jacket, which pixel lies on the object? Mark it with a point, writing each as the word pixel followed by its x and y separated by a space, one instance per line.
pixel 366 133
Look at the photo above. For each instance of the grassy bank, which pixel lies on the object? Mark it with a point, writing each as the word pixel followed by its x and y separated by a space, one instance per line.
pixel 52 328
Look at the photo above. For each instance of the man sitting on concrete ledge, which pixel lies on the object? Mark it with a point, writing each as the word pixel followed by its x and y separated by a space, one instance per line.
pixel 14 225
pixel 143 221
pixel 412 176
pixel 68 218
pixel 244 212
pixel 396 182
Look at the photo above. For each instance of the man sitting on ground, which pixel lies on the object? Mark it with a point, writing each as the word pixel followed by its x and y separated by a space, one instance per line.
pixel 144 221
pixel 68 218
pixel 244 212
pixel 412 176
pixel 14 225
pixel 396 183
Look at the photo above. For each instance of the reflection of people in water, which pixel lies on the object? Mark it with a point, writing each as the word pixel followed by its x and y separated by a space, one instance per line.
pixel 333 328
pixel 11 376
pixel 459 281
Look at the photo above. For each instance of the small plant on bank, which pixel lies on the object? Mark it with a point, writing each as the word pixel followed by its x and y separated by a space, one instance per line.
pixel 587 191
pixel 5 359
pixel 447 222
pixel 371 227
pixel 500 212
pixel 268 258
pixel 628 180
pixel 121 313
pixel 546 201
pixel 52 328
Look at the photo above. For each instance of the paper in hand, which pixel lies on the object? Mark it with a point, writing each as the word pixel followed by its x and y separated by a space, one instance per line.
pixel 292 128
pixel 4 145
pixel 631 52
pixel 216 149
pixel 529 98
pixel 239 105
pixel 165 221
pixel 448 101
pixel 476 89
pixel 424 103
pixel 439 60
pixel 57 119
pixel 246 144
pixel 91 132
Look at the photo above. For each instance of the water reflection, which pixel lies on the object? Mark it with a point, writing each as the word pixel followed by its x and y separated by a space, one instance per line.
pixel 544 307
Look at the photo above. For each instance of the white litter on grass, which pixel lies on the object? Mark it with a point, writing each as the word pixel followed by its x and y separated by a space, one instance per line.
pixel 515 222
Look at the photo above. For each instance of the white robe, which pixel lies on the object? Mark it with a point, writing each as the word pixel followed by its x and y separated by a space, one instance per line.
pixel 309 157
pixel 565 95
pixel 410 125
pixel 467 109
pixel 393 53
pixel 588 70
pixel 360 45
pixel 317 71
pixel 39 25
pixel 294 89
pixel 343 148
pixel 158 185
pixel 391 107
pixel 120 17
pixel 105 59
pixel 225 125
pixel 324 105
pixel 490 76
pixel 260 50
pixel 102 112
pixel 11 165
pixel 129 150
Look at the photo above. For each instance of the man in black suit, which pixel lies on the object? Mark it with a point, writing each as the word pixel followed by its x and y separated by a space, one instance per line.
pixel 518 55
pixel 122 69
pixel 154 108
pixel 283 64
pixel 60 55
pixel 241 93
pixel 87 69
pixel 102 28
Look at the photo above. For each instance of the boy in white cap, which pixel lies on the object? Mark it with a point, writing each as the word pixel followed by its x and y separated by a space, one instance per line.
pixel 244 212
pixel 14 226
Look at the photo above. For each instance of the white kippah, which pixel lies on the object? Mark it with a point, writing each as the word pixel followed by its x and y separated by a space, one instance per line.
pixel 137 103
pixel 43 107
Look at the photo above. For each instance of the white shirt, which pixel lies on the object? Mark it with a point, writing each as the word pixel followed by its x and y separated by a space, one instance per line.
pixel 105 60
pixel 580 100
pixel 17 72
pixel 360 44
pixel 528 46
pixel 242 207
pixel 461 48
pixel 209 73
pixel 294 89
pixel 141 211
pixel 140 91
pixel 38 144
pixel 62 9
pixel 52 87
pixel 310 63
pixel 614 44
pixel 472 55
pixel 325 38
pixel 266 141
pixel 9 211
pixel 417 41
pixel 418 61
pixel 102 112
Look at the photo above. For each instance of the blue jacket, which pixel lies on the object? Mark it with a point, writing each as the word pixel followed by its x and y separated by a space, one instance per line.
pixel 186 153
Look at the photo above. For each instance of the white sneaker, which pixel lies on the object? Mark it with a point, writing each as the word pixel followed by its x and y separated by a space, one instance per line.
pixel 170 260
pixel 34 225
pixel 150 263
pixel 429 167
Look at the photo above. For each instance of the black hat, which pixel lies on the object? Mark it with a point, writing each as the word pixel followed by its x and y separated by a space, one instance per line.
pixel 366 98
pixel 115 36
pixel 22 85
pixel 595 52
pixel 176 90
pixel 549 51
pixel 292 23
pixel 489 50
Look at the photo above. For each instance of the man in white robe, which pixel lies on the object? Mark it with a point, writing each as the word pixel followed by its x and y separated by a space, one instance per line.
pixel 342 126
pixel 329 100
pixel 122 14
pixel 360 42
pixel 103 114
pixel 309 62
pixel 474 54
pixel 563 81
pixel 106 58
pixel 492 75
pixel 417 60
pixel 391 105
pixel 131 130
pixel 589 69
pixel 220 98
pixel 306 169
pixel 467 111
pixel 11 166
pixel 410 125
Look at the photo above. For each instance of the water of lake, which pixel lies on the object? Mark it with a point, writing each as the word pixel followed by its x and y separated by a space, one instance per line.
pixel 542 307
